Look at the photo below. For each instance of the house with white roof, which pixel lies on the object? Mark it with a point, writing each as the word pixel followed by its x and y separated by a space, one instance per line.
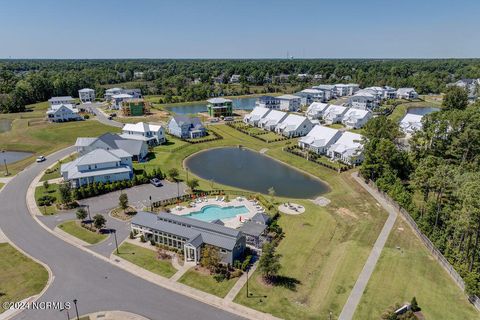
pixel 347 149
pixel 316 110
pixel 308 96
pixel 137 149
pixel 256 115
pixel 269 102
pixel 389 92
pixel 472 86
pixel 56 101
pixel 118 99
pixel 329 90
pixel 97 166
pixel 341 90
pixel 319 139
pixel 289 102
pixel 411 123
pixel 334 114
pixel 86 95
pixel 294 126
pixel 352 88
pixel 219 107
pixel 407 93
pixel 272 119
pixel 235 78
pixel 152 134
pixel 356 118
pixel 109 93
pixel 63 113
pixel 186 127
pixel 364 100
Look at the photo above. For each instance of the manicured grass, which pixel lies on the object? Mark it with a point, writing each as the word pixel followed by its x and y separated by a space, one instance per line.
pixel 207 283
pixel 54 172
pixel 1 185
pixel 31 133
pixel 336 126
pixel 52 190
pixel 20 277
pixel 410 271
pixel 74 228
pixel 146 259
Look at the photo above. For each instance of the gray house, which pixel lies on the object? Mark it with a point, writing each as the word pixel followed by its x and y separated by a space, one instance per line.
pixel 109 141
pixel 186 127
pixel 190 235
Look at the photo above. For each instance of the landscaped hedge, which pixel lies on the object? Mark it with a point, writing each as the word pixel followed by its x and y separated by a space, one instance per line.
pixel 239 126
pixel 313 157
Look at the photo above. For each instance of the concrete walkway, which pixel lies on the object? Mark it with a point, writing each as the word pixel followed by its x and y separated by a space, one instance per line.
pixel 111 315
pixel 240 283
pixel 357 291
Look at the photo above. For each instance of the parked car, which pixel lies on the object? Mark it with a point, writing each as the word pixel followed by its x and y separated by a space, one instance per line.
pixel 228 119
pixel 156 182
pixel 214 120
pixel 113 115
pixel 109 117
pixel 41 159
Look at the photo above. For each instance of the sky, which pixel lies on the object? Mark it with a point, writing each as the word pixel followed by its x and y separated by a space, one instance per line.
pixel 239 29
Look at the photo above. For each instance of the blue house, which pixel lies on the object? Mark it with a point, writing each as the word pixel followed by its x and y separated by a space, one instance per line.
pixel 186 127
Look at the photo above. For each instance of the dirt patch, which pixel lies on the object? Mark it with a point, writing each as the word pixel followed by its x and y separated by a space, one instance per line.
pixel 124 215
pixel 346 212
pixel 321 201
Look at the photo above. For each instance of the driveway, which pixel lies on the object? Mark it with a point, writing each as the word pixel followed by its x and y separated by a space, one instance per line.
pixel 101 117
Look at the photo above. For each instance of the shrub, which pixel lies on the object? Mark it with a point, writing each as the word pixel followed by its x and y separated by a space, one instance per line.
pixel 152 242
pixel 142 238
pixel 132 235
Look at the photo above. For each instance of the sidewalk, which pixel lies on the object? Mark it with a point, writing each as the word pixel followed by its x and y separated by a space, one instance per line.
pixel 362 281
pixel 240 283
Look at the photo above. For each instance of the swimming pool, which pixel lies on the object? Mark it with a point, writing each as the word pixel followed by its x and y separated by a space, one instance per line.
pixel 213 212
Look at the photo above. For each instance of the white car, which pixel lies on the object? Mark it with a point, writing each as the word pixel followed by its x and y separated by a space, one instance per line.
pixel 41 159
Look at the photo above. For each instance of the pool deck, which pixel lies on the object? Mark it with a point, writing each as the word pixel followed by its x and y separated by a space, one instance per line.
pixel 252 206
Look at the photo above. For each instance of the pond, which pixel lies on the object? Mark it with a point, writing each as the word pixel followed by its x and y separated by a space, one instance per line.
pixel 13 156
pixel 422 111
pixel 238 103
pixel 5 125
pixel 250 170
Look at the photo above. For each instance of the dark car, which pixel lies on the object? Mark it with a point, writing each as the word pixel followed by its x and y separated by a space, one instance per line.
pixel 156 182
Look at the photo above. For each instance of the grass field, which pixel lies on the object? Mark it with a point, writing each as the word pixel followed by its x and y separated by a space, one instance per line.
pixel 30 132
pixel 146 259
pixel 410 271
pixel 207 283
pixel 52 190
pixel 20 277
pixel 54 172
pixel 74 228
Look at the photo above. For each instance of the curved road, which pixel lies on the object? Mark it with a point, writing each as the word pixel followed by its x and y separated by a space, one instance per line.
pixel 102 118
pixel 96 284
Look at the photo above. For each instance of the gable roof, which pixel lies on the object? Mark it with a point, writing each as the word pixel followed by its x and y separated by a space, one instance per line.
pixel 288 97
pixel 353 113
pixel 218 100
pixel 334 109
pixel 320 136
pixel 275 115
pixel 193 122
pixel 97 156
pixel 349 143
pixel 317 107
pixel 292 121
pixel 141 127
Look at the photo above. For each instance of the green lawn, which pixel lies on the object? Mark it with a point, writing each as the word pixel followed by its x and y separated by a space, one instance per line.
pixel 207 283
pixel 402 109
pixel 74 228
pixel 54 172
pixel 1 185
pixel 20 277
pixel 411 271
pixel 52 190
pixel 30 132
pixel 146 259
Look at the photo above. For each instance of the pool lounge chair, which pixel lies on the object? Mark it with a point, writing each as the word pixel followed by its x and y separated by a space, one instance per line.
pixel 222 199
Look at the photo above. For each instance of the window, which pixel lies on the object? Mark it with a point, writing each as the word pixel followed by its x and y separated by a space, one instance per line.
pixel 223 251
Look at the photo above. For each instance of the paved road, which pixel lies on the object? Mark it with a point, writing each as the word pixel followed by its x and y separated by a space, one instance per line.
pixel 362 281
pixel 101 116
pixel 96 284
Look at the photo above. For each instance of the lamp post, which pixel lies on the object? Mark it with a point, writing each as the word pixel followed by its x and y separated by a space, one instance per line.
pixel 187 175
pixel 76 309
pixel 151 206
pixel 88 210
pixel 115 235
pixel 330 315
pixel 247 283
pixel 6 168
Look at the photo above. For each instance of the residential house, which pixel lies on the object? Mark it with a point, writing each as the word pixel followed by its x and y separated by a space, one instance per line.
pixel 319 139
pixel 56 101
pixel 118 99
pixel 334 114
pixel 98 165
pixel 303 76
pixel 138 74
pixel 316 110
pixel 272 119
pixel 63 113
pixel 356 118
pixel 363 100
pixel 135 93
pixel 352 88
pixel 219 79
pixel 219 107
pixel 389 93
pixel 341 90
pixel 134 107
pixel 190 235
pixel 256 115
pixel 255 230
pixel 308 96
pixel 347 149
pixel 186 127
pixel 235 78
pixel 109 93
pixel 329 90
pixel 269 102
pixel 152 134
pixel 472 86
pixel 411 123
pixel 289 102
pixel 138 149
pixel 86 95
pixel 294 126
pixel 407 93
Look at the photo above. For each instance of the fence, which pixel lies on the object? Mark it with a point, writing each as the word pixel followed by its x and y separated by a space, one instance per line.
pixel 430 246
pixel 235 125
pixel 313 158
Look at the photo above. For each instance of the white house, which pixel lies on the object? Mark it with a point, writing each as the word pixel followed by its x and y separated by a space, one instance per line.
pixel 109 93
pixel 136 148
pixel 86 95
pixel 348 148
pixel 294 126
pixel 329 90
pixel 308 96
pixel 341 90
pixel 55 101
pixel 472 86
pixel 334 114
pixel 356 118
pixel 289 102
pixel 411 123
pixel 152 134
pixel 407 93
pixel 63 113
pixel 316 110
pixel 235 78
pixel 256 115
pixel 98 166
pixel 364 100
pixel 118 99
pixel 352 88
pixel 269 102
pixel 319 139
pixel 272 119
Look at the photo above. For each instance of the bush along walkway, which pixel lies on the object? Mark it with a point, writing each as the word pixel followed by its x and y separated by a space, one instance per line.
pixel 240 283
